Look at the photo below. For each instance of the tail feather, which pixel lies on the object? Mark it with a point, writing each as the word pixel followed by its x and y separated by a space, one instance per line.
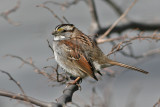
pixel 127 66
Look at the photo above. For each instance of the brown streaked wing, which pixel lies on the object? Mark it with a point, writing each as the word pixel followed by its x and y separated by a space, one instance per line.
pixel 79 59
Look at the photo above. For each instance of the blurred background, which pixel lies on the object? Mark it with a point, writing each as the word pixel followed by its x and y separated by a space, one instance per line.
pixel 29 39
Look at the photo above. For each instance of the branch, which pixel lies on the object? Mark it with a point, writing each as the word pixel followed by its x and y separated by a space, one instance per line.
pixel 61 101
pixel 116 22
pixel 50 46
pixel 12 79
pixel 6 13
pixel 18 84
pixel 67 94
pixel 95 25
pixel 131 25
pixel 30 62
pixel 60 77
pixel 119 46
pixel 116 8
pixel 31 100
pixel 154 36
pixel 64 4
pixel 53 13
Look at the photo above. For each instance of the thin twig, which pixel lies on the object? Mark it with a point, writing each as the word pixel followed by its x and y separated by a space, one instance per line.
pixel 116 22
pixel 118 47
pixel 36 69
pixel 95 25
pixel 61 101
pixel 50 46
pixel 30 99
pixel 53 13
pixel 59 77
pixel 6 13
pixel 66 20
pixel 64 4
pixel 19 86
pixel 131 55
pixel 116 8
pixel 138 26
pixel 155 37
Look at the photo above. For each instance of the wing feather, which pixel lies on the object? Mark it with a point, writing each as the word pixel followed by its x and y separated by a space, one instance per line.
pixel 79 59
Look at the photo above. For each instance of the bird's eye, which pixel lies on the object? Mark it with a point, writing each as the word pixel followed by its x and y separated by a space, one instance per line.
pixel 64 31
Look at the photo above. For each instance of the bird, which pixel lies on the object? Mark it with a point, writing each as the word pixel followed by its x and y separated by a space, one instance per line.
pixel 79 55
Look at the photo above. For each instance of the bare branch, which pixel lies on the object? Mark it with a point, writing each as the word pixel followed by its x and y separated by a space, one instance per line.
pixel 116 22
pixel 59 77
pixel 119 47
pixel 36 69
pixel 95 25
pixel 50 47
pixel 116 8
pixel 64 4
pixel 67 94
pixel 53 13
pixel 131 25
pixel 124 43
pixel 18 84
pixel 154 36
pixel 66 20
pixel 61 101
pixel 31 100
pixel 64 99
pixel 6 13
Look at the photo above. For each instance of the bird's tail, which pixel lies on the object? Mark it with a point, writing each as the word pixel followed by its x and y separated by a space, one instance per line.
pixel 127 66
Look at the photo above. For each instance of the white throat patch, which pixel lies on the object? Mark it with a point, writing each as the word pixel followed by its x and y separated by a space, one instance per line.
pixel 59 37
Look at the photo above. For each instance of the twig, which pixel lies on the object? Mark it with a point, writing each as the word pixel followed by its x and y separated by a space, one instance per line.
pixel 154 36
pixel 64 4
pixel 66 20
pixel 116 22
pixel 50 46
pixel 55 15
pixel 149 53
pixel 59 77
pixel 6 13
pixel 118 47
pixel 36 69
pixel 114 6
pixel 61 101
pixel 131 25
pixel 30 99
pixel 95 25
pixel 18 84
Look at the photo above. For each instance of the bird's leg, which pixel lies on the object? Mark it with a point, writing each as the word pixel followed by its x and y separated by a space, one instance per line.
pixel 75 82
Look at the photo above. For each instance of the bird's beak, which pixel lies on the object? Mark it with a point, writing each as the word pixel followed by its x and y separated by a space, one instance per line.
pixel 54 32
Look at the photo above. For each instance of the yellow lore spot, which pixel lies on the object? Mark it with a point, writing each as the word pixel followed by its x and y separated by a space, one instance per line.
pixel 60 29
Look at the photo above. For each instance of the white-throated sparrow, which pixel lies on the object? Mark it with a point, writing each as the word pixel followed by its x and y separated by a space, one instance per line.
pixel 78 55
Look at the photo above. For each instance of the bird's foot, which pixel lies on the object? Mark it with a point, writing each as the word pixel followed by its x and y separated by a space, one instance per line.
pixel 75 82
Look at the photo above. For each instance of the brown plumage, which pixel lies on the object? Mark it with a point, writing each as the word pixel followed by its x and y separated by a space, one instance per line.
pixel 77 54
